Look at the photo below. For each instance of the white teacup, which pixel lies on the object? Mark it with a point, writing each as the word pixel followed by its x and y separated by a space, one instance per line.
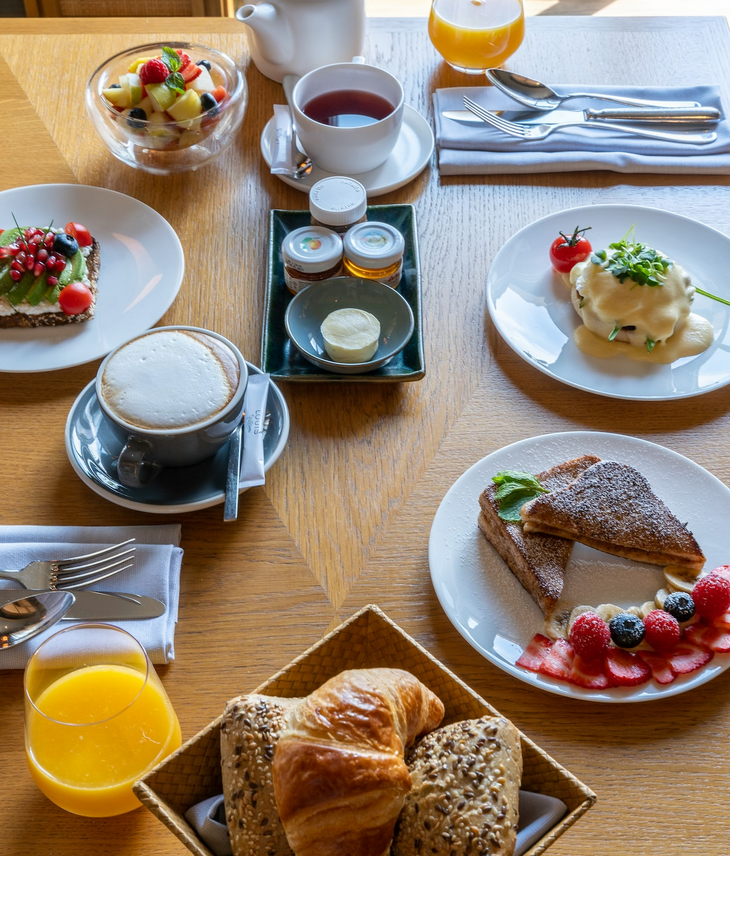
pixel 349 150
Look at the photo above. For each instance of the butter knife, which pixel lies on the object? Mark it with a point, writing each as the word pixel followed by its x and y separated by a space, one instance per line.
pixel 97 605
pixel 700 115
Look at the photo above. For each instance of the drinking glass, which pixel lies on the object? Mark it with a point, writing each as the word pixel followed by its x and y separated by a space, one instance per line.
pixel 96 719
pixel 475 35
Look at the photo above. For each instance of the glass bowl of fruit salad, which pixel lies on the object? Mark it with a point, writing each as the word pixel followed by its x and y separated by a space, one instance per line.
pixel 167 108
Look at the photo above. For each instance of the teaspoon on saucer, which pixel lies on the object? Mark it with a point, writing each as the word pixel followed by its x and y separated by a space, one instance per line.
pixel 301 163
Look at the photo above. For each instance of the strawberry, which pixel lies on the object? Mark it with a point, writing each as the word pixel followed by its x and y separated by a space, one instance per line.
pixel 661 671
pixel 535 652
pixel 722 621
pixel 624 668
pixel 590 636
pixel 190 72
pixel 711 596
pixel 709 637
pixel 588 673
pixel 154 71
pixel 661 630
pixel 687 657
pixel 220 94
pixel 559 662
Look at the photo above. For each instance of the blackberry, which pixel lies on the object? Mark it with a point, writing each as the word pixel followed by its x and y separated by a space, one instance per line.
pixel 627 631
pixel 680 605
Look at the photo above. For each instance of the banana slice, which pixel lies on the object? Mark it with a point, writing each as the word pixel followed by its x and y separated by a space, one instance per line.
pixel 680 579
pixel 556 624
pixel 661 596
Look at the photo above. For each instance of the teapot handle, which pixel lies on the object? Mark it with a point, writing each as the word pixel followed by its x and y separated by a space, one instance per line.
pixel 358 59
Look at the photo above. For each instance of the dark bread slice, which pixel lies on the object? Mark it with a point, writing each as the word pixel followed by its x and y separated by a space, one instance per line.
pixel 22 320
pixel 538 560
pixel 612 508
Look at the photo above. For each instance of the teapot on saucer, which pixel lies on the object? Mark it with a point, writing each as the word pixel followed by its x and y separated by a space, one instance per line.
pixel 292 37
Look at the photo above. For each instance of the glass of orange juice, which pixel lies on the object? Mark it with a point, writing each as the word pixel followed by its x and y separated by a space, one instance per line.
pixel 96 718
pixel 475 35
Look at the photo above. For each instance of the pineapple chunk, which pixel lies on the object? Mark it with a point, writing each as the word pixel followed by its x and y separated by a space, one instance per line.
pixel 187 107
pixel 139 62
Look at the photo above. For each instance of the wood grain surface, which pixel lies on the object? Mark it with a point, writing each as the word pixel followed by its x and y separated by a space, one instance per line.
pixel 345 515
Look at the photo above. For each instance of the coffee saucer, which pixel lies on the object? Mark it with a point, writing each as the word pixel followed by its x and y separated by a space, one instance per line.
pixel 409 158
pixel 92 449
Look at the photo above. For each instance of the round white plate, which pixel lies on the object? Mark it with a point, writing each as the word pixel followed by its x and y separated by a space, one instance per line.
pixel 489 607
pixel 530 305
pixel 408 159
pixel 142 266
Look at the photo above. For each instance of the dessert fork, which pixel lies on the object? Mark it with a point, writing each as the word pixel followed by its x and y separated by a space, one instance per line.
pixel 76 571
pixel 539 132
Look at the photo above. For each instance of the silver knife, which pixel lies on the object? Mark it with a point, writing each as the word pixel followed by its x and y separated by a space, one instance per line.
pixel 700 115
pixel 96 605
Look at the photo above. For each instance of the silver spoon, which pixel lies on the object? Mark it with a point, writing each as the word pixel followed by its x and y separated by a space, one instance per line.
pixel 22 619
pixel 301 163
pixel 233 475
pixel 537 95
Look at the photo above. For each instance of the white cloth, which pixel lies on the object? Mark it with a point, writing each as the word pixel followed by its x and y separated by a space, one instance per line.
pixel 469 150
pixel 208 818
pixel 155 573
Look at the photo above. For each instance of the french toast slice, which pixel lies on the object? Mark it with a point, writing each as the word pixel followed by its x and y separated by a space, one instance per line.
pixel 538 560
pixel 612 507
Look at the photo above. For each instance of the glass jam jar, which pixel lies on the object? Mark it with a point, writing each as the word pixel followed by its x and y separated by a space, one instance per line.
pixel 374 250
pixel 310 254
pixel 338 203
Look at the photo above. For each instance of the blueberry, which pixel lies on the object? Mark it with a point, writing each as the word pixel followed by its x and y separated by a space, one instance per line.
pixel 626 630
pixel 65 244
pixel 208 101
pixel 203 62
pixel 680 605
pixel 137 117
pixel 115 85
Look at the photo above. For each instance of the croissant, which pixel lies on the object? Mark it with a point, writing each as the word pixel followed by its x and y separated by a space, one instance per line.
pixel 340 779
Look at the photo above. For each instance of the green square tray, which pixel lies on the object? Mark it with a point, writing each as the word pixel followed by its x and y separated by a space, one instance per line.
pixel 282 360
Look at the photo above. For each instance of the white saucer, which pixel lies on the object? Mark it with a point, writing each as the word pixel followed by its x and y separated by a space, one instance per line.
pixel 409 158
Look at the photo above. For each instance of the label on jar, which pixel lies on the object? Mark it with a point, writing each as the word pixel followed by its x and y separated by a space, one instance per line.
pixel 297 281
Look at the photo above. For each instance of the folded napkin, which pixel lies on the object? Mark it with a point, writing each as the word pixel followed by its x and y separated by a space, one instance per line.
pixel 468 150
pixel 156 573
pixel 537 815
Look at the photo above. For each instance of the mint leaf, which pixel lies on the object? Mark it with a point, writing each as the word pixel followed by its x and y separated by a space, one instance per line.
pixel 505 491
pixel 172 58
pixel 176 82
pixel 509 475
pixel 509 510
pixel 515 489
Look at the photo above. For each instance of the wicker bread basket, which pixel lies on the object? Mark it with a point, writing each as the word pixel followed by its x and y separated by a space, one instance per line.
pixel 368 639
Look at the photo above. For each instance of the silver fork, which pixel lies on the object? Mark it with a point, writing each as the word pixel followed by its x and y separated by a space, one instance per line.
pixel 76 571
pixel 538 132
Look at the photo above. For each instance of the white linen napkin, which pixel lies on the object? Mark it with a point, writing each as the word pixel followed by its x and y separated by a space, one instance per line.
pixel 468 150
pixel 156 573
pixel 537 815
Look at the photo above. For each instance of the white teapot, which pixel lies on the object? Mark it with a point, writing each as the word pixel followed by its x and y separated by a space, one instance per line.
pixel 292 37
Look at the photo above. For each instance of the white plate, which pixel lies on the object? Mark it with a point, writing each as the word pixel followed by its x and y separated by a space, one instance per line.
pixel 408 159
pixel 494 613
pixel 142 267
pixel 530 304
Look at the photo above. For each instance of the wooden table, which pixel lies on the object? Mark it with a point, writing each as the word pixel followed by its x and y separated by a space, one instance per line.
pixel 345 515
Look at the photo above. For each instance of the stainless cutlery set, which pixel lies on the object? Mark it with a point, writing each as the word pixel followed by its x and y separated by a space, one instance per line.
pixel 687 121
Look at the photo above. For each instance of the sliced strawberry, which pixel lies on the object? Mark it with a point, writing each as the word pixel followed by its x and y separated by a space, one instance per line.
pixel 535 653
pixel 709 637
pixel 722 621
pixel 661 671
pixel 184 59
pixel 559 662
pixel 190 72
pixel 687 657
pixel 588 673
pixel 624 668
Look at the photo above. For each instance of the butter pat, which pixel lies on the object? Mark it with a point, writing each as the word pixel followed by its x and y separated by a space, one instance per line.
pixel 351 335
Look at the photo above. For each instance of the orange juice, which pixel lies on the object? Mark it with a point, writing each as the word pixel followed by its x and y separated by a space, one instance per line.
pixel 103 726
pixel 474 35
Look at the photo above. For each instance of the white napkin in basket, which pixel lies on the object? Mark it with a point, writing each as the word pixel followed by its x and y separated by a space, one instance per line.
pixel 469 150
pixel 156 573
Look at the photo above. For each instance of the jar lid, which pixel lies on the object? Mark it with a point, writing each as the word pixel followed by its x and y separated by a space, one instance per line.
pixel 311 249
pixel 374 244
pixel 338 201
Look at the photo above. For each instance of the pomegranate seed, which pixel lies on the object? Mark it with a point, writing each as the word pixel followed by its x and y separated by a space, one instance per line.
pixel 4 252
pixel 36 240
pixel 52 259
pixel 21 256
pixel 28 234
pixel 38 268
pixel 16 266
pixel 60 265
pixel 15 275
pixel 42 255
pixel 49 239
pixel 14 249
pixel 29 262
pixel 52 280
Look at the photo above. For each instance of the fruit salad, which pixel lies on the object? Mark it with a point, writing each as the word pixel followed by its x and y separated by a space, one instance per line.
pixel 168 102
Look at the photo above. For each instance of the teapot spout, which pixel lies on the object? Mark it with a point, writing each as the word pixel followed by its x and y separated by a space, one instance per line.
pixel 271 32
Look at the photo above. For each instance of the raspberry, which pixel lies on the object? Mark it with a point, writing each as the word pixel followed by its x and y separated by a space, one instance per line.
pixel 590 636
pixel 711 596
pixel 154 71
pixel 661 630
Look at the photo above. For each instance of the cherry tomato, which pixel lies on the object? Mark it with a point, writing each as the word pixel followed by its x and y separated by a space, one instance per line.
pixel 80 232
pixel 75 298
pixel 566 251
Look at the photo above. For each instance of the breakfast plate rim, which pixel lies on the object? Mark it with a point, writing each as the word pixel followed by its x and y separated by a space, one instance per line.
pixel 447 586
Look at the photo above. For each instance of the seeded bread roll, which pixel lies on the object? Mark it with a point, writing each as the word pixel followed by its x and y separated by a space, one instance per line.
pixel 249 734
pixel 465 791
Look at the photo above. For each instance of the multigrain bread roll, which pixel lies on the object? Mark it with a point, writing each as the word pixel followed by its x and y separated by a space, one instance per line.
pixel 339 774
pixel 249 733
pixel 465 791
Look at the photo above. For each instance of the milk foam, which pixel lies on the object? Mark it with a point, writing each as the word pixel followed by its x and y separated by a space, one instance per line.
pixel 168 380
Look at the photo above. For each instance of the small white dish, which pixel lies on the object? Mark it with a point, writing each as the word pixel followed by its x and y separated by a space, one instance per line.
pixel 142 266
pixel 411 155
pixel 92 449
pixel 493 612
pixel 530 305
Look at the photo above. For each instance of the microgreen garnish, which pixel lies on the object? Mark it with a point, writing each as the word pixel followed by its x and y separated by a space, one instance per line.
pixel 174 80
pixel 575 237
pixel 650 344
pixel 514 490
pixel 634 260
pixel 614 331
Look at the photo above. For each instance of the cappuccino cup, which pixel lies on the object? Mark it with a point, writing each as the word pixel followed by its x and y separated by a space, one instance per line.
pixel 173 396
pixel 348 116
